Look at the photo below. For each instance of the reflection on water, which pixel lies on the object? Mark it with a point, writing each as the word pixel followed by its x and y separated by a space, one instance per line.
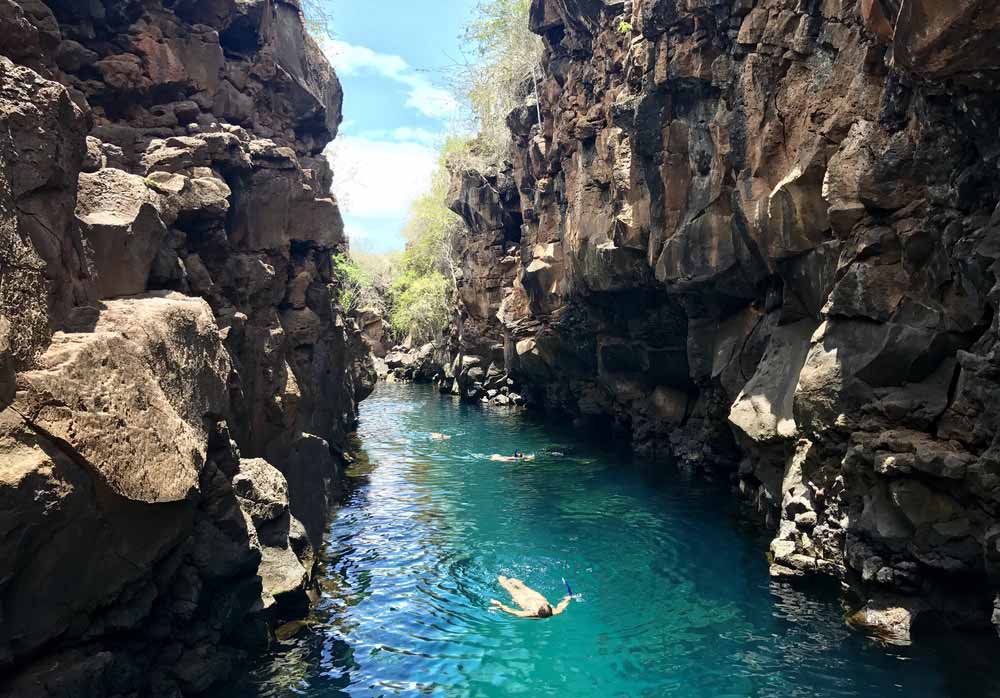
pixel 675 597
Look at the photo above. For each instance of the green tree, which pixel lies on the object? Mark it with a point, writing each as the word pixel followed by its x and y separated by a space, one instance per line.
pixel 421 305
pixel 365 280
pixel 353 280
pixel 423 292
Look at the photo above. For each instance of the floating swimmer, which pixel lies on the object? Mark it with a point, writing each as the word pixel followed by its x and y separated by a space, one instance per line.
pixel 509 459
pixel 533 604
pixel 439 437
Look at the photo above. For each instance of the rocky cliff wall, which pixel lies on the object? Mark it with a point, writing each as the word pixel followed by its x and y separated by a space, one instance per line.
pixel 763 235
pixel 176 379
pixel 487 254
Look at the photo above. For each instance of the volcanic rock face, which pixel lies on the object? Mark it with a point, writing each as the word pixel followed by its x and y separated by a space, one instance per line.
pixel 488 255
pixel 176 379
pixel 765 233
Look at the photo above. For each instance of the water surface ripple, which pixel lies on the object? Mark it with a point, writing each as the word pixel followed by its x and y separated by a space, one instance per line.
pixel 676 600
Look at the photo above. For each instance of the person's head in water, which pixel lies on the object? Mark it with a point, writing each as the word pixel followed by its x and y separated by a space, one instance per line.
pixel 545 611
pixel 518 454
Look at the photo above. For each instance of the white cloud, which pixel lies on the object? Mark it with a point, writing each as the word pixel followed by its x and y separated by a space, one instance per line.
pixel 348 59
pixel 420 135
pixel 403 134
pixel 422 95
pixel 380 178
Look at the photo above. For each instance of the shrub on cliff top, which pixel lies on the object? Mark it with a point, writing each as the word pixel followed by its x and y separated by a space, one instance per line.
pixel 316 19
pixel 507 65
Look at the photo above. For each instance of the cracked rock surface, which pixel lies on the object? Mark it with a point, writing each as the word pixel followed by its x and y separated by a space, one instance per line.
pixel 177 381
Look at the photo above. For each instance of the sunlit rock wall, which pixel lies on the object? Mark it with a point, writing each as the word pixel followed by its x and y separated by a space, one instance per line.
pixel 176 379
pixel 763 235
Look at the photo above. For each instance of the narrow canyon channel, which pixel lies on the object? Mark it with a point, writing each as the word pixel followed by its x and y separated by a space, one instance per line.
pixel 675 597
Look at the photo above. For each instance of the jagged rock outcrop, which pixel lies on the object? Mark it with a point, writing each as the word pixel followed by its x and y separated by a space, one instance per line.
pixel 421 364
pixel 763 235
pixel 487 253
pixel 375 331
pixel 176 378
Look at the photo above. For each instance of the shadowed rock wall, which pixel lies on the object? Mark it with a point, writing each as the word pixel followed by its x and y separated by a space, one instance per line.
pixel 487 267
pixel 176 379
pixel 763 235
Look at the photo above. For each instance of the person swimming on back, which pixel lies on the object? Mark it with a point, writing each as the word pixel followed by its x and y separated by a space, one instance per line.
pixel 533 604
pixel 508 459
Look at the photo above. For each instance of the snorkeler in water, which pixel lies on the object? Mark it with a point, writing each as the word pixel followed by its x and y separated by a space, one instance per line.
pixel 509 459
pixel 533 604
pixel 439 437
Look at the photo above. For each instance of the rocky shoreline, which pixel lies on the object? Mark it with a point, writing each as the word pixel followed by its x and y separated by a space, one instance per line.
pixel 177 380
pixel 762 237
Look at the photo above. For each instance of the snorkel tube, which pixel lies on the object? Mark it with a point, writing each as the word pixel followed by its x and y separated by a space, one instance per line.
pixel 568 590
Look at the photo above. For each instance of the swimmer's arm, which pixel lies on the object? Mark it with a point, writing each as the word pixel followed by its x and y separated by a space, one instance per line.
pixel 512 611
pixel 562 605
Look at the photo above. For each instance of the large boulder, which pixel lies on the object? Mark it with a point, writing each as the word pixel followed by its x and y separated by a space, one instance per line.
pixel 948 40
pixel 263 494
pixel 149 369
pixel 109 431
pixel 276 208
pixel 763 411
pixel 83 531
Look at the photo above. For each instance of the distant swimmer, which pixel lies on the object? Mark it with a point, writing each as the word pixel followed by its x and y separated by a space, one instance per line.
pixel 533 604
pixel 508 459
pixel 440 437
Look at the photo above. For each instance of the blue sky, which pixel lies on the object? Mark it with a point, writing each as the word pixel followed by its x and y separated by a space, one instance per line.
pixel 392 57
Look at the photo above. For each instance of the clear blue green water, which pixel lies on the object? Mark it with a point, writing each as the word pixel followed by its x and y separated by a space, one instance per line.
pixel 675 596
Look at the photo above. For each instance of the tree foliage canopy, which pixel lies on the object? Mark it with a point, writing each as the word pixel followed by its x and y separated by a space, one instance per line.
pixel 365 280
pixel 423 292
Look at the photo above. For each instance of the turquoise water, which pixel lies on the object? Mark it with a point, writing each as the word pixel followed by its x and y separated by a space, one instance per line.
pixel 675 596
